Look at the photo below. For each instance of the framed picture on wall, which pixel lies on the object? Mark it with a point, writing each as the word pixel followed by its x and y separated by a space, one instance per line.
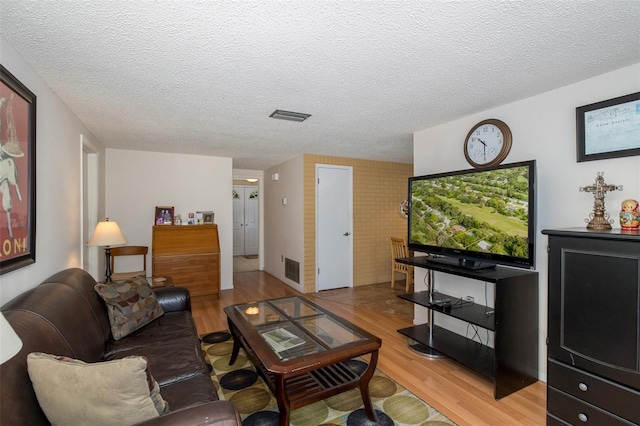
pixel 17 173
pixel 164 215
pixel 609 129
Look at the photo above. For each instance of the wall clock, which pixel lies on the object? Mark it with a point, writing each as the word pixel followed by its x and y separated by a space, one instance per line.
pixel 488 143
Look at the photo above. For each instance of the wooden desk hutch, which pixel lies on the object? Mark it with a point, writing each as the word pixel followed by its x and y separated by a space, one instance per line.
pixel 190 255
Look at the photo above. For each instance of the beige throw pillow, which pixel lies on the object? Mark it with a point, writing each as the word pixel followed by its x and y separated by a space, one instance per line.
pixel 131 305
pixel 118 392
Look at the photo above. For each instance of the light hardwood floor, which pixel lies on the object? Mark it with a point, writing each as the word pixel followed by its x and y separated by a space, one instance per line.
pixel 463 396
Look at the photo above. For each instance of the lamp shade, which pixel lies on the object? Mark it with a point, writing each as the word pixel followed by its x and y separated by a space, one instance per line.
pixel 10 343
pixel 107 233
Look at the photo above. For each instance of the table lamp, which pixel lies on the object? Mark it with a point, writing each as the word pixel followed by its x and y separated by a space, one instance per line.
pixel 11 343
pixel 107 234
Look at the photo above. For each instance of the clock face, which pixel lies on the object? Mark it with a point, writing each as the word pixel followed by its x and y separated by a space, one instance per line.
pixel 488 143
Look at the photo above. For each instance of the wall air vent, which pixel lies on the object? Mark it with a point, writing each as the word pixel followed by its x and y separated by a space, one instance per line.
pixel 292 270
pixel 289 115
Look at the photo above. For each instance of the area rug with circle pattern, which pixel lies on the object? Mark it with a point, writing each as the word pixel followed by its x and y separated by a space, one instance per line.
pixel 241 385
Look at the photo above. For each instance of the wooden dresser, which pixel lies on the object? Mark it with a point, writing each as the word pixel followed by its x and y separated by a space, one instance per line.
pixel 190 255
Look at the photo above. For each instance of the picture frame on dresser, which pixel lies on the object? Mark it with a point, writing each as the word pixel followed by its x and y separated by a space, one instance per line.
pixel 164 215
pixel 608 129
pixel 17 173
pixel 204 217
pixel 207 218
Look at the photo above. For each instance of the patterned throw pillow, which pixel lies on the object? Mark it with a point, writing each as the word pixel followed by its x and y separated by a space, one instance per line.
pixel 118 392
pixel 131 305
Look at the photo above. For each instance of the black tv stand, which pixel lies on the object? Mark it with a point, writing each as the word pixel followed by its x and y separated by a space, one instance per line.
pixel 513 362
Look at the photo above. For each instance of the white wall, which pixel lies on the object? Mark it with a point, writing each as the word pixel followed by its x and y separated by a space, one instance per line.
pixel 543 128
pixel 137 182
pixel 284 224
pixel 58 182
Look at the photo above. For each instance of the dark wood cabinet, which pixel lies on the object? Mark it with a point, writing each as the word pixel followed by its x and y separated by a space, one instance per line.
pixel 593 374
pixel 513 361
pixel 190 255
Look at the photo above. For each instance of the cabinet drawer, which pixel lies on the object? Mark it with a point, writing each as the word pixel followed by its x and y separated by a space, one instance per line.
pixel 576 412
pixel 199 273
pixel 603 393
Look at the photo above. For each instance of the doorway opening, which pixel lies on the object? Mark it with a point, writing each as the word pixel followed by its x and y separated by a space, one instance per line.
pixel 246 226
pixel 89 179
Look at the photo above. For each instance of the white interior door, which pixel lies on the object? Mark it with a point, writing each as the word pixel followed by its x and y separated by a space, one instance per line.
pixel 334 224
pixel 245 220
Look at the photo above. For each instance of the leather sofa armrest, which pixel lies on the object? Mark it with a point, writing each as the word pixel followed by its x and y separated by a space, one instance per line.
pixel 173 299
pixel 222 413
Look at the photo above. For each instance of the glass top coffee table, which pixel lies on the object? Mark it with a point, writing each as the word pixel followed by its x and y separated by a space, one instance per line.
pixel 302 350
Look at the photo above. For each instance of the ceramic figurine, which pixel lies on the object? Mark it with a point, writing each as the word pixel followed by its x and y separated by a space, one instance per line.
pixel 630 215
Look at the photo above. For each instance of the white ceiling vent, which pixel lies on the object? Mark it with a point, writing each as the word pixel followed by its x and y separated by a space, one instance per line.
pixel 289 115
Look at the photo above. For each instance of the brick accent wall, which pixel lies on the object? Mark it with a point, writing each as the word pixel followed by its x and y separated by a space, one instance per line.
pixel 378 189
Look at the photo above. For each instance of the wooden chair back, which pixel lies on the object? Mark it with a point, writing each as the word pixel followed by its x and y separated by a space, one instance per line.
pixel 399 249
pixel 128 251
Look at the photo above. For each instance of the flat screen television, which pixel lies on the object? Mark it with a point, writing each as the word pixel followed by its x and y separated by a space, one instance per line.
pixel 475 218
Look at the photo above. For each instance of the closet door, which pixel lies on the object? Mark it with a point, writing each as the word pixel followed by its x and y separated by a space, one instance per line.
pixel 245 220
pixel 251 220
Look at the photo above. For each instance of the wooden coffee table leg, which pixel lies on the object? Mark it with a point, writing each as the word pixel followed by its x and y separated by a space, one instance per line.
pixel 236 344
pixel 283 401
pixel 364 387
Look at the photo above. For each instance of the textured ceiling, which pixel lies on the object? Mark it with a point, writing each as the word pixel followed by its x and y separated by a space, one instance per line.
pixel 202 77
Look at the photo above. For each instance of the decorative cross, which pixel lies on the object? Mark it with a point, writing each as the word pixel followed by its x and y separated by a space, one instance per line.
pixel 599 219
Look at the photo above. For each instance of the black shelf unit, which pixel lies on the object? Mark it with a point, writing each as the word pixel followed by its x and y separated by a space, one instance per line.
pixel 513 362
pixel 473 313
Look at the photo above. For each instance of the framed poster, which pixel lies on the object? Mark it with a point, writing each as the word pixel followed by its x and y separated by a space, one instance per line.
pixel 17 173
pixel 609 129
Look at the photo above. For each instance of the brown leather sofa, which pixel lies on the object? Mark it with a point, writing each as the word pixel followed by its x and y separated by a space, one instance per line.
pixel 65 316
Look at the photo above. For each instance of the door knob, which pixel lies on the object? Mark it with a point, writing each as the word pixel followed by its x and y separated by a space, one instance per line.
pixel 346 234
